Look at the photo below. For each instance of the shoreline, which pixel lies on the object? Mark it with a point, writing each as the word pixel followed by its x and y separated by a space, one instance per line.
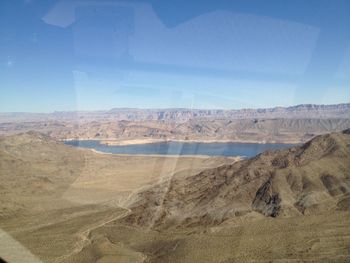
pixel 116 142
pixel 235 158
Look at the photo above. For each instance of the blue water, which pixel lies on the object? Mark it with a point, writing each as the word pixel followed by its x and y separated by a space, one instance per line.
pixel 179 148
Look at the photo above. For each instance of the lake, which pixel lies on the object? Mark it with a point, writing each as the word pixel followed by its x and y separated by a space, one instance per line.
pixel 180 148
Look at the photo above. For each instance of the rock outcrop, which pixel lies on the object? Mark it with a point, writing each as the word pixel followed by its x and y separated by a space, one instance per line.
pixel 307 179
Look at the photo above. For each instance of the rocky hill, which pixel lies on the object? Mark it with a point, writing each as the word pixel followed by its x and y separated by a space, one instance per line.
pixel 35 169
pixel 310 179
pixel 61 204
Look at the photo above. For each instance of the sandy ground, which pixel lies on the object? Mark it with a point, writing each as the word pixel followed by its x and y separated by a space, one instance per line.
pixel 59 226
pixel 69 203
pixel 91 233
pixel 131 142
pixel 100 182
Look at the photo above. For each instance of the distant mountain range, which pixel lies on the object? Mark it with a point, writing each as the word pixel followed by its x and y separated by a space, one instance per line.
pixel 283 125
pixel 299 111
pixel 180 115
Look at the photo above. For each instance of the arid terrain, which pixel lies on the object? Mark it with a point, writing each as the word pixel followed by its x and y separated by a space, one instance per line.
pixel 65 204
pixel 129 126
pixel 155 131
pixel 44 183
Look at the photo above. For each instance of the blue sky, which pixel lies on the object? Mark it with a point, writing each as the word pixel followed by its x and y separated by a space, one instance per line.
pixel 96 55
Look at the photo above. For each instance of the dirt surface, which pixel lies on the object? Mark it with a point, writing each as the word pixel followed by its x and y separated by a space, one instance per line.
pixel 63 204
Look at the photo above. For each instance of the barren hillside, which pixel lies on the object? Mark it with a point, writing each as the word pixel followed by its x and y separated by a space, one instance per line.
pixel 62 204
pixel 310 179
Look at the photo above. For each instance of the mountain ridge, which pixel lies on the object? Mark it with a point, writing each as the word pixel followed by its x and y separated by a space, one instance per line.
pixel 184 114
pixel 307 179
pixel 239 130
pixel 293 124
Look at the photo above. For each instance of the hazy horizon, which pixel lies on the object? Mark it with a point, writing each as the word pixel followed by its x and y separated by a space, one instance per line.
pixel 154 109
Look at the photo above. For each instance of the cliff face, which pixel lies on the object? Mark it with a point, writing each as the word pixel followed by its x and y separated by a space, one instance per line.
pixel 309 179
pixel 243 130
pixel 290 125
pixel 180 115
pixel 299 111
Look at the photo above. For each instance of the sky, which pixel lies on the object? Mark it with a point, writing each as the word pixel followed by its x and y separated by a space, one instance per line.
pixel 96 55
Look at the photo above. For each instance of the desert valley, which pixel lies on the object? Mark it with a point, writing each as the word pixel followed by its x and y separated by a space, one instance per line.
pixel 153 131
pixel 61 203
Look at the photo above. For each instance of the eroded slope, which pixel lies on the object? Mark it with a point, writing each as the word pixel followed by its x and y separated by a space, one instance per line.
pixel 310 179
